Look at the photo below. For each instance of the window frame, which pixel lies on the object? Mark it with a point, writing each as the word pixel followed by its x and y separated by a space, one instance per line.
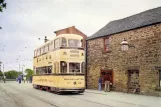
pixel 62 69
pixel 73 46
pixel 75 69
pixel 55 43
pixel 159 78
pixel 106 45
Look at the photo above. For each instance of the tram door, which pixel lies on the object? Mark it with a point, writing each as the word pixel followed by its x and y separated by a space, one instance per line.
pixel 106 76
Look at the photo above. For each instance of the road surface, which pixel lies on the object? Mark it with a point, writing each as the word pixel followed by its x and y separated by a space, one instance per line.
pixel 13 94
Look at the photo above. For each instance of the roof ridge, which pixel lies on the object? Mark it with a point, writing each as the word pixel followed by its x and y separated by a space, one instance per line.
pixel 142 19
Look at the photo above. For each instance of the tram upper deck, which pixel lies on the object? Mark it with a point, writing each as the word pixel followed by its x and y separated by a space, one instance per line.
pixel 64 54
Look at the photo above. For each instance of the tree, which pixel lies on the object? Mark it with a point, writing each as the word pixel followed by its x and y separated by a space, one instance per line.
pixel 29 73
pixel 1 74
pixel 11 74
pixel 2 5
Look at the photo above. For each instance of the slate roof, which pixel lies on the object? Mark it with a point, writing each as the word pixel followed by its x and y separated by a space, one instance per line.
pixel 142 19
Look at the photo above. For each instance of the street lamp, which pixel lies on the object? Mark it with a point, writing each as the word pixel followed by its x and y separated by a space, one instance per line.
pixel 22 68
pixel 124 45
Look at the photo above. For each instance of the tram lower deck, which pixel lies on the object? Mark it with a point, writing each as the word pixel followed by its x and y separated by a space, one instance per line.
pixel 60 83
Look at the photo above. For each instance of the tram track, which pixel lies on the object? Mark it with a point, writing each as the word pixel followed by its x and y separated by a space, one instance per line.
pixel 72 97
pixel 86 100
pixel 13 98
pixel 36 97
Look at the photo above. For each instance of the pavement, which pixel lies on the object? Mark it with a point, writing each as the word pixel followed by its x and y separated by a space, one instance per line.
pixel 13 94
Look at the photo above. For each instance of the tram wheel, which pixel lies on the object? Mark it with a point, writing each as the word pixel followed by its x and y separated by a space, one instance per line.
pixel 48 89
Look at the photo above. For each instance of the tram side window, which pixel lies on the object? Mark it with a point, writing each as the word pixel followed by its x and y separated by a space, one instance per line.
pixel 83 67
pixel 74 67
pixel 49 69
pixel 57 43
pixel 63 42
pixel 44 70
pixel 63 67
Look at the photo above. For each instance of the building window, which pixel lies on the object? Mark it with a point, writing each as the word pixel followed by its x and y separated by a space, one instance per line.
pixel 106 44
pixel 160 78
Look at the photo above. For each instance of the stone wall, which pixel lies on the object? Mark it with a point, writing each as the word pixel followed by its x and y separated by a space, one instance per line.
pixel 144 56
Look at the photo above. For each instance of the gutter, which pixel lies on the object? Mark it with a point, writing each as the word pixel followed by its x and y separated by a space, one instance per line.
pixel 86 64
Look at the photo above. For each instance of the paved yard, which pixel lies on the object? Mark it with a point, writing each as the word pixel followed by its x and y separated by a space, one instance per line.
pixel 13 94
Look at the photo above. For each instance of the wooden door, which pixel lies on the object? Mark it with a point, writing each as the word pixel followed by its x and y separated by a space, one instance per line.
pixel 133 80
pixel 107 76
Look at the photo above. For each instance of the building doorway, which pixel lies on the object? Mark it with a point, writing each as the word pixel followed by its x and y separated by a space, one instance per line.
pixel 133 81
pixel 159 78
pixel 107 75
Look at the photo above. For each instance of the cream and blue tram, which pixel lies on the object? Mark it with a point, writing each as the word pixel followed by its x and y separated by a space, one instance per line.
pixel 59 64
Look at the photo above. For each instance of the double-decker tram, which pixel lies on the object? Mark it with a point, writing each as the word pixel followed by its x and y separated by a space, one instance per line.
pixel 59 65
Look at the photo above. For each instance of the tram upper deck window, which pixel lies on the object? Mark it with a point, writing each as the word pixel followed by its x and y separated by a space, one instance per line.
pixel 50 46
pixel 74 43
pixel 38 52
pixel 57 43
pixel 35 53
pixel 42 50
pixel 63 42
pixel 74 67
pixel 47 48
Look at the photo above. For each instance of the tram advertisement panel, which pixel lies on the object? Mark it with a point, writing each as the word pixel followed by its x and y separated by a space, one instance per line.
pixel 65 81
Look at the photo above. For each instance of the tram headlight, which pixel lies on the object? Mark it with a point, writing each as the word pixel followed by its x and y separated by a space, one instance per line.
pixel 74 83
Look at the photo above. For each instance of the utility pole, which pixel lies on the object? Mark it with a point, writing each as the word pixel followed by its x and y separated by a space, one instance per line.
pixel 3 68
pixel 19 69
pixel 0 65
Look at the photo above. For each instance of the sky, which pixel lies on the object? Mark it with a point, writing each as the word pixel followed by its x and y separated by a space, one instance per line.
pixel 24 21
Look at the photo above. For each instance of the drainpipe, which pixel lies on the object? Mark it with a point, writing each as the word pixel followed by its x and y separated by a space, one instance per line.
pixel 86 63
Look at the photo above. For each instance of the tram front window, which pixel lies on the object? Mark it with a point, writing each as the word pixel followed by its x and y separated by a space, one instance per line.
pixel 74 67
pixel 74 43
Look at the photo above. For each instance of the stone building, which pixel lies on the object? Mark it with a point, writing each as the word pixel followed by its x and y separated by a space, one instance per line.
pixel 136 66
